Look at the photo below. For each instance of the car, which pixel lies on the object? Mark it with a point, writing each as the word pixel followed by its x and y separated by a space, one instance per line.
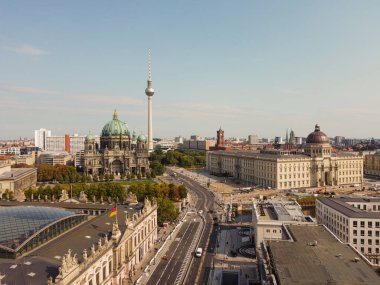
pixel 198 252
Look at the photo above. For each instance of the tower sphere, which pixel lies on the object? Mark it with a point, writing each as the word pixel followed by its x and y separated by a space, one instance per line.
pixel 149 91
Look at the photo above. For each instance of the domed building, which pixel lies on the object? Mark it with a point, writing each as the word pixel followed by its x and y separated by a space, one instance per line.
pixel 315 165
pixel 118 153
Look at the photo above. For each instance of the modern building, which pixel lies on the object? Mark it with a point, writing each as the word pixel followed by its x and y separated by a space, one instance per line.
pixel 315 166
pixel 101 250
pixel 15 180
pixel 119 152
pixel 355 221
pixel 40 138
pixel 253 139
pixel 269 218
pixel 314 256
pixel 197 144
pixel 56 144
pixel 372 164
pixel 54 158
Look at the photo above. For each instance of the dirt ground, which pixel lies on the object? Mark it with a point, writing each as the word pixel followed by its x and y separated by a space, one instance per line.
pixel 225 189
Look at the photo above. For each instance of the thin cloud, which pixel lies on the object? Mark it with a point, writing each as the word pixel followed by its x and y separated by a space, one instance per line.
pixel 28 50
pixel 100 99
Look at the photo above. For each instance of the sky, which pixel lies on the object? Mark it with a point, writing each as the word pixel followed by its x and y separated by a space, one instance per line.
pixel 250 67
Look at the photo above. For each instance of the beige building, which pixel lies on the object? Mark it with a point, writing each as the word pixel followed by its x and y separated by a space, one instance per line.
pixel 355 221
pixel 316 166
pixel 16 180
pixel 372 164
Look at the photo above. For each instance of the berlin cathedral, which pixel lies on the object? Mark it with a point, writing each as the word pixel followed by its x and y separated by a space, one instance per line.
pixel 119 152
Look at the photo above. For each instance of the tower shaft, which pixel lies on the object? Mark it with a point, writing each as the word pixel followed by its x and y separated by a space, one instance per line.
pixel 150 127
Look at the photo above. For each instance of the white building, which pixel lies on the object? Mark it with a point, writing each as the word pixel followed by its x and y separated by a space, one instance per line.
pixel 269 218
pixel 355 221
pixel 40 138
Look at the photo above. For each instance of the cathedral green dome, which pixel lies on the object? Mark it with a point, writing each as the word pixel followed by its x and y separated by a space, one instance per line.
pixel 114 127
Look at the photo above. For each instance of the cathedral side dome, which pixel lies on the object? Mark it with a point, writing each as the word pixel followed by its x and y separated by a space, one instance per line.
pixel 317 137
pixel 89 137
pixel 141 138
pixel 115 127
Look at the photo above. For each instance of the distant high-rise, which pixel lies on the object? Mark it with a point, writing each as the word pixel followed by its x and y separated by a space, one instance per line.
pixel 149 91
pixel 40 138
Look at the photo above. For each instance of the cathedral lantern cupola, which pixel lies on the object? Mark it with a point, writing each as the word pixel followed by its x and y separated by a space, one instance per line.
pixel 318 143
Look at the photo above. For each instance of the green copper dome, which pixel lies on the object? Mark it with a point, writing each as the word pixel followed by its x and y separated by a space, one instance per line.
pixel 114 127
pixel 141 138
pixel 89 137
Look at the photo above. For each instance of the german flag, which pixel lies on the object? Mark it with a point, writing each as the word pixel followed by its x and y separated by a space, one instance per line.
pixel 114 212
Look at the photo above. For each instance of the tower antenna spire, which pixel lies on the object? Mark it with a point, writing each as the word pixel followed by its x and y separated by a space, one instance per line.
pixel 149 67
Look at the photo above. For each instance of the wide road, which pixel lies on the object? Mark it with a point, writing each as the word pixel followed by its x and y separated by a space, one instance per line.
pixel 167 272
pixel 172 270
pixel 200 267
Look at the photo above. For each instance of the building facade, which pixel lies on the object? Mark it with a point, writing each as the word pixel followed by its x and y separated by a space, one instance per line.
pixel 355 221
pixel 118 153
pixel 372 164
pixel 15 180
pixel 316 166
pixel 40 138
pixel 105 251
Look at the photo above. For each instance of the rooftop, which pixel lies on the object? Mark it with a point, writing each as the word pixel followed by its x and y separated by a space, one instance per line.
pixel 340 205
pixel 15 173
pixel 45 260
pixel 329 262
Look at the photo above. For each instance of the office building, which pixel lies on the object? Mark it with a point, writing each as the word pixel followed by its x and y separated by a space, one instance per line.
pixel 314 256
pixel 355 221
pixel 253 139
pixel 40 138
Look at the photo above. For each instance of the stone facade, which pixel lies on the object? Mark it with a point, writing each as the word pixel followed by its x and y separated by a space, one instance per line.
pixel 119 152
pixel 112 261
pixel 372 164
pixel 16 180
pixel 316 166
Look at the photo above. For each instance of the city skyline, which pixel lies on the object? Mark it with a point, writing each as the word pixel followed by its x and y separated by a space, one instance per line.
pixel 250 68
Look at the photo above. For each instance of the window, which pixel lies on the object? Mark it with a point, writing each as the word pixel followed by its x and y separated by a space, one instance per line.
pixel 362 224
pixel 377 224
pixel 361 241
pixel 110 267
pixel 268 231
pixel 370 224
pixel 355 224
pixel 369 242
pixel 355 232
pixel 355 241
pixel 369 233
pixel 362 233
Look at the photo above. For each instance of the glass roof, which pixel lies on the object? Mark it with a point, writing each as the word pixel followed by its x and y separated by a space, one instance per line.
pixel 18 223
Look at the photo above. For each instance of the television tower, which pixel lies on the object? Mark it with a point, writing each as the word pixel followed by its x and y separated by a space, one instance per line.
pixel 149 91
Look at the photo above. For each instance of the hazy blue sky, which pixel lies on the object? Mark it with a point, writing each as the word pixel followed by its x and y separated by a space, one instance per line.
pixel 248 66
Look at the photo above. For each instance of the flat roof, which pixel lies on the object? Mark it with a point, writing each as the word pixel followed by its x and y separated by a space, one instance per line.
pixel 348 210
pixel 45 260
pixel 16 172
pixel 329 262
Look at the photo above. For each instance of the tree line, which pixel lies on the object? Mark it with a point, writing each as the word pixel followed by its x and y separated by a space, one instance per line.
pixel 165 194
pixel 182 158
